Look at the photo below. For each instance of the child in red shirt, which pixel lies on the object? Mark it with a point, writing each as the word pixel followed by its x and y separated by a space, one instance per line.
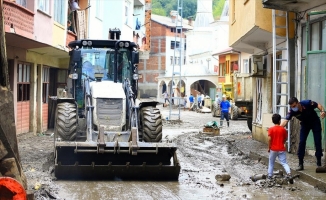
pixel 277 136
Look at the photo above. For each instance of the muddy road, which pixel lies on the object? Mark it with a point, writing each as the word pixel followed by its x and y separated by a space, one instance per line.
pixel 201 158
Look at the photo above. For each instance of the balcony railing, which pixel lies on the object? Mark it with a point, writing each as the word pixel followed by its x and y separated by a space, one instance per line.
pixel 70 37
pixel 19 18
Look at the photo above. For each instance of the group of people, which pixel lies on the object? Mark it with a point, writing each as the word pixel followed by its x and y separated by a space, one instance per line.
pixel 200 100
pixel 277 135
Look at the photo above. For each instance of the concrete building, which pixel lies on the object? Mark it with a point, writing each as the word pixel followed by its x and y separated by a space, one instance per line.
pixel 163 30
pixel 309 56
pixel 253 35
pixel 36 37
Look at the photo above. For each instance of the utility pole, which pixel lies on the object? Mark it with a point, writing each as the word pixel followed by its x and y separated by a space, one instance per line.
pixel 9 158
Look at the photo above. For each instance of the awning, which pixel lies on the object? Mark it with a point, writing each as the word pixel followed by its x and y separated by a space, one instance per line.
pixel 226 51
pixel 15 40
pixel 254 40
pixel 291 5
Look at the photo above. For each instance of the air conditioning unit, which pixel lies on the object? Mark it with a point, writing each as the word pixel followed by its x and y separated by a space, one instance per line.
pixel 256 65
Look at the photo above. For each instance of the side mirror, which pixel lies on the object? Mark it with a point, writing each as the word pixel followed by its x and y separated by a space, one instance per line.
pixel 135 57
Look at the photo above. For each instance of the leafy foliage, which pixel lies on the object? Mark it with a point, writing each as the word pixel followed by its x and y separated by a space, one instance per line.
pixel 163 7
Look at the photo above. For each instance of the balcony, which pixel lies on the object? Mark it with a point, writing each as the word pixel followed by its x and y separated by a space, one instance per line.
pixel 18 19
pixel 70 37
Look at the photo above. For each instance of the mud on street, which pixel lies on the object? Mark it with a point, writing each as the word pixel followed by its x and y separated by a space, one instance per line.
pixel 201 156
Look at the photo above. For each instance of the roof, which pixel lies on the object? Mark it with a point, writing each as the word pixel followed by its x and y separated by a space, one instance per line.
pixel 167 21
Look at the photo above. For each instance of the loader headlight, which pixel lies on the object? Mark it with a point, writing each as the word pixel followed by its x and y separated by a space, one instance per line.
pixel 84 43
pixel 121 44
pixel 89 43
pixel 127 44
pixel 135 76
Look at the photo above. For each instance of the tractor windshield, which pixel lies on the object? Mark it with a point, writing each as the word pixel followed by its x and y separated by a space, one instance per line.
pixel 102 61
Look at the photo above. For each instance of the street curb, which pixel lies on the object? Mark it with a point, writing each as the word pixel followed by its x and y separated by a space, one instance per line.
pixel 321 185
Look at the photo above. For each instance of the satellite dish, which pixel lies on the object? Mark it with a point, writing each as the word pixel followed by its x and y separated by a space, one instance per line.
pixel 74 6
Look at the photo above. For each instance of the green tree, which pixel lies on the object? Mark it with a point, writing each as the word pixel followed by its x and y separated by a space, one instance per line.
pixel 163 7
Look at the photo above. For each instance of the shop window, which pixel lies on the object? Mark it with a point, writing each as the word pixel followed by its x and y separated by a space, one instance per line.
pixel 245 68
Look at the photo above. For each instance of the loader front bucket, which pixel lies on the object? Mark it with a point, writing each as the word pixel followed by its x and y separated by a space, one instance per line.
pixel 81 160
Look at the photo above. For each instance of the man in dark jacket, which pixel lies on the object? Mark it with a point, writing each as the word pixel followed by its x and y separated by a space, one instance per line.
pixel 309 120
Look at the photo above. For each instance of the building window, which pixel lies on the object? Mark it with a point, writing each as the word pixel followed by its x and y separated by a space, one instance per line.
pixel 233 11
pixel 59 12
pixel 22 3
pixel 245 68
pixel 127 11
pixel 304 42
pixel 62 78
pixel 171 59
pixel 46 81
pixel 44 6
pixel 323 28
pixel 315 36
pixel 99 9
pixel 175 44
pixel 23 82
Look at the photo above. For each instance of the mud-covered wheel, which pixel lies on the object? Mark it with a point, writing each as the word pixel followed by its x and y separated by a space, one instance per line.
pixel 66 121
pixel 234 112
pixel 249 123
pixel 151 124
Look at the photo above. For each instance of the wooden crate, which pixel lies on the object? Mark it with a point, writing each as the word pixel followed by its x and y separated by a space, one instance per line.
pixel 211 131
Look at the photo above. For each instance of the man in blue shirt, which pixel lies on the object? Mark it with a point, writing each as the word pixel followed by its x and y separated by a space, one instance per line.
pixel 191 101
pixel 309 120
pixel 198 100
pixel 225 110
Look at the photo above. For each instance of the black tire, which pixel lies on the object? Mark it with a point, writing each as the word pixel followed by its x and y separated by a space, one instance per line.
pixel 234 112
pixel 66 121
pixel 249 123
pixel 151 124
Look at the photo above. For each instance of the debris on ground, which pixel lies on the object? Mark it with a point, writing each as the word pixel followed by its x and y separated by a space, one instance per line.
pixel 223 177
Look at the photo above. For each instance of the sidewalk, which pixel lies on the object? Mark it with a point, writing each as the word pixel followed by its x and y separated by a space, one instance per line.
pixel 258 151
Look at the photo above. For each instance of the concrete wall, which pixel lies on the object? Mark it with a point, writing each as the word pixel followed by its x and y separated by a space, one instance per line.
pixel 43 30
pixel 242 19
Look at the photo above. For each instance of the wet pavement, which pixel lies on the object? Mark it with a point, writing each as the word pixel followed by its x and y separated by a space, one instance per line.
pixel 201 156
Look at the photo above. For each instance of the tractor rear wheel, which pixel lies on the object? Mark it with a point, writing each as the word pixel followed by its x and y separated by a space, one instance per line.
pixel 151 124
pixel 66 121
pixel 234 112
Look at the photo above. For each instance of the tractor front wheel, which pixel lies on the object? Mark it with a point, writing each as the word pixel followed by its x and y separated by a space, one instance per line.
pixel 151 124
pixel 66 121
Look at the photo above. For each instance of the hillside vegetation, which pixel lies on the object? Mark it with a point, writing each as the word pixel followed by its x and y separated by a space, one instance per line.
pixel 163 7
